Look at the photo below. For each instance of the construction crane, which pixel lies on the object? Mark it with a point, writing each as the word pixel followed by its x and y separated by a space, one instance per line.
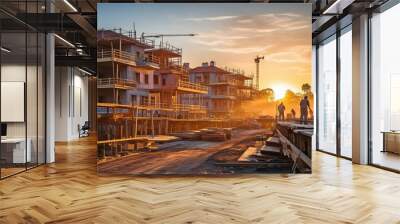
pixel 257 61
pixel 168 35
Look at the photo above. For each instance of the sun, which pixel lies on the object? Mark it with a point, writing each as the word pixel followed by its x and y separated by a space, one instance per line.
pixel 280 90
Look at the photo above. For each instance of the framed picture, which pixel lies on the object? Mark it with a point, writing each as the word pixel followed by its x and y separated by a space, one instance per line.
pixel 204 89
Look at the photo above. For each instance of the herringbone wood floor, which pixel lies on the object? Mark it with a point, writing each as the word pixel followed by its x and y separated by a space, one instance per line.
pixel 70 191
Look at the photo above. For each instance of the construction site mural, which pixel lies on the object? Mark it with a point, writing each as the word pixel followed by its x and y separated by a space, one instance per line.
pixel 196 89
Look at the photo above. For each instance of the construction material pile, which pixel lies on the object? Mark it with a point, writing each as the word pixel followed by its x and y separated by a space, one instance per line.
pixel 207 134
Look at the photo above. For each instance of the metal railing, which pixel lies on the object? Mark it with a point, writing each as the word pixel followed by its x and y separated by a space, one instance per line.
pixel 228 81
pixel 107 82
pixel 190 107
pixel 149 60
pixel 223 96
pixel 152 59
pixel 123 34
pixel 191 85
pixel 177 107
pixel 124 55
pixel 169 47
pixel 116 54
pixel 174 64
pixel 234 70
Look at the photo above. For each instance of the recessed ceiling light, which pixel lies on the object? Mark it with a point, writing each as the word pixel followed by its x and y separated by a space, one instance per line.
pixel 5 50
pixel 86 72
pixel 338 6
pixel 70 5
pixel 64 40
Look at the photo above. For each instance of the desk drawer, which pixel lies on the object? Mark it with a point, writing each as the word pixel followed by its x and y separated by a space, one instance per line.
pixel 392 142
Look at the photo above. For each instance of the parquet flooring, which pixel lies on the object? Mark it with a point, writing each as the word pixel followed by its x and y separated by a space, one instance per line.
pixel 70 191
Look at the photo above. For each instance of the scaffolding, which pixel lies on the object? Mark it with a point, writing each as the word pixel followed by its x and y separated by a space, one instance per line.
pixel 131 110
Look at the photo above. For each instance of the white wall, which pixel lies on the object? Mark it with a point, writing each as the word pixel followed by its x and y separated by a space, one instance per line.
pixel 11 73
pixel 314 90
pixel 61 104
pixel 33 126
pixel 15 73
pixel 71 102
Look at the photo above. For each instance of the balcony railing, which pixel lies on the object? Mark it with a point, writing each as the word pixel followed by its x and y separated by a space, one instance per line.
pixel 120 34
pixel 190 107
pixel 225 81
pixel 149 60
pixel 152 59
pixel 174 64
pixel 115 82
pixel 234 71
pixel 191 85
pixel 222 96
pixel 176 107
pixel 124 55
pixel 169 47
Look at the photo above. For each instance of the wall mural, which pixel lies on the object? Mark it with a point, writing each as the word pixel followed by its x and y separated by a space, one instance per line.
pixel 196 89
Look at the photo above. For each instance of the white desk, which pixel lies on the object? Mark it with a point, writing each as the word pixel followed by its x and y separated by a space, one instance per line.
pixel 18 149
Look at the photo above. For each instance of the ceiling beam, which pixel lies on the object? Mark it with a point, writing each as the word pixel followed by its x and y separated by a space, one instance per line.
pixel 79 61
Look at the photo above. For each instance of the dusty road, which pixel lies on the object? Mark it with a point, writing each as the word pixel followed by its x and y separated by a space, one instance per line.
pixel 172 160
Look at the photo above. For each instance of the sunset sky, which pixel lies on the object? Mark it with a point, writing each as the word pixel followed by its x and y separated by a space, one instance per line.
pixel 230 34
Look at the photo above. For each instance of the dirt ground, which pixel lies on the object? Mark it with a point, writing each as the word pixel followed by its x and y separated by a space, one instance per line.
pixel 182 157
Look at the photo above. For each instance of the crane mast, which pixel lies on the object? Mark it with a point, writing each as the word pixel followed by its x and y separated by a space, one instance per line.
pixel 257 61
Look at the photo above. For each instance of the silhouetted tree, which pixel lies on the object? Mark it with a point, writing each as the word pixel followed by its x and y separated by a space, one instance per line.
pixel 269 94
pixel 306 88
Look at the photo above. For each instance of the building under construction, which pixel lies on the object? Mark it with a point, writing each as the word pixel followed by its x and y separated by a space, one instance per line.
pixel 146 96
pixel 144 90
pixel 228 89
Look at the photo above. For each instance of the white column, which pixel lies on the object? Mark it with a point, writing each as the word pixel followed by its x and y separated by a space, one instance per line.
pixel 360 90
pixel 50 92
pixel 314 90
pixel 50 100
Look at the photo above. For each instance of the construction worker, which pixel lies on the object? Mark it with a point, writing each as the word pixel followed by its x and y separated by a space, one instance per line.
pixel 281 110
pixel 293 114
pixel 304 107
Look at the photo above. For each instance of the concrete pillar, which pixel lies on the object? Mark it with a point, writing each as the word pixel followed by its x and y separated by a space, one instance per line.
pixel 50 98
pixel 360 90
pixel 314 90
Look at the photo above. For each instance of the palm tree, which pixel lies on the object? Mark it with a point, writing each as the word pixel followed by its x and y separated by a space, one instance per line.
pixel 306 88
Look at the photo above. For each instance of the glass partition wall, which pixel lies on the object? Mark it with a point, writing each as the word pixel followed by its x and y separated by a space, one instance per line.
pixel 385 89
pixel 327 95
pixel 22 77
pixel 334 111
pixel 345 92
